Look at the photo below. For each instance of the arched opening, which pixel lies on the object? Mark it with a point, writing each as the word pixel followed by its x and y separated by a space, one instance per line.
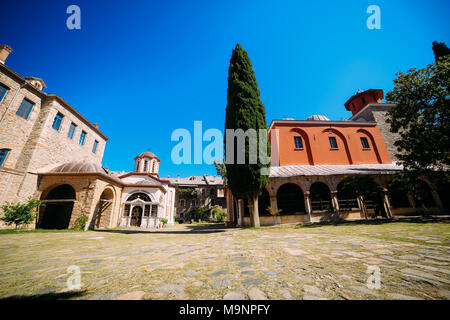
pixel 443 190
pixel 320 197
pixel 398 197
pixel 423 195
pixel 136 216
pixel 57 212
pixel 346 197
pixel 290 199
pixel 104 209
pixel 263 203
pixel 139 195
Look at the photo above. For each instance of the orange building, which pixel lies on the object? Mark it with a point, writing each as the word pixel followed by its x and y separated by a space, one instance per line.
pixel 310 158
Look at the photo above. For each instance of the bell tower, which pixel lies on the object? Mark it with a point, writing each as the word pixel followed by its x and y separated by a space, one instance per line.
pixel 362 99
pixel 147 162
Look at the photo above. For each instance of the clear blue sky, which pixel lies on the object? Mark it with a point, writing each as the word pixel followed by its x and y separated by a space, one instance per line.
pixel 142 69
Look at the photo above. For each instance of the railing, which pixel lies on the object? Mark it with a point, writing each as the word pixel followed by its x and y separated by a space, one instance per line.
pixel 321 205
pixel 348 204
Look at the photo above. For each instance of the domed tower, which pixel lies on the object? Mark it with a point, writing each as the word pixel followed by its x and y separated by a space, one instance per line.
pixel 362 99
pixel 147 162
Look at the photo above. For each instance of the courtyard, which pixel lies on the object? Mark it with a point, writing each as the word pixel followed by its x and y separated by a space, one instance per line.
pixel 194 261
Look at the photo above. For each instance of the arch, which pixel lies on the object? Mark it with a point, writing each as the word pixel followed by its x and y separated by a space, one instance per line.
pixel 263 202
pixel 320 197
pixel 104 208
pixel 290 199
pixel 372 141
pixel 347 197
pixel 136 216
pixel 443 190
pixel 424 194
pixel 398 197
pixel 139 195
pixel 57 212
pixel 305 138
pixel 344 140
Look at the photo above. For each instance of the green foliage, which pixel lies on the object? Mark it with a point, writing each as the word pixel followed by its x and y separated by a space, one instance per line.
pixel 164 221
pixel 20 213
pixel 187 193
pixel 421 117
pixel 80 223
pixel 408 182
pixel 221 170
pixel 221 216
pixel 202 214
pixel 244 110
pixel 363 187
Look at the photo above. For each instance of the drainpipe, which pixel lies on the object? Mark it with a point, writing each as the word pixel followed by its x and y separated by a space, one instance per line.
pixel 9 105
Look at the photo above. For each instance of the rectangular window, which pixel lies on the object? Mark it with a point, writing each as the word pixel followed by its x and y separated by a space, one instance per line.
pixel 298 142
pixel 145 165
pixel 365 143
pixel 333 142
pixel 193 203
pixel 126 212
pixel 57 121
pixel 182 203
pixel 25 109
pixel 3 90
pixel 147 210
pixel 94 148
pixel 3 155
pixel 82 138
pixel 72 129
pixel 154 210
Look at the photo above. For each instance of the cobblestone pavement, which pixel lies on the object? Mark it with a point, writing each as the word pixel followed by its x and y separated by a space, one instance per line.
pixel 212 262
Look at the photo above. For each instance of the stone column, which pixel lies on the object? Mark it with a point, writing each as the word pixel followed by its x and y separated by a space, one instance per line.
pixel 411 200
pixel 273 202
pixel 387 203
pixel 129 215
pixel 335 201
pixel 308 206
pixel 240 212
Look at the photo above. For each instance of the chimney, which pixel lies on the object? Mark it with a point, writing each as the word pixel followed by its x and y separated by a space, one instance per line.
pixel 5 50
pixel 96 125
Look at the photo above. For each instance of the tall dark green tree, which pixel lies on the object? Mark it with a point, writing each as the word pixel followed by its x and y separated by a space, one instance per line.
pixel 245 110
pixel 440 49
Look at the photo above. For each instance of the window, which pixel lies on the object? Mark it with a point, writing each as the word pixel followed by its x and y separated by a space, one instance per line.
pixel 182 203
pixel 298 142
pixel 57 121
pixel 25 109
pixel 82 138
pixel 3 90
pixel 203 192
pixel 193 203
pixel 147 210
pixel 126 212
pixel 145 165
pixel 153 166
pixel 72 129
pixel 154 210
pixel 365 143
pixel 333 143
pixel 94 148
pixel 363 101
pixel 3 155
pixel 137 166
pixel 202 202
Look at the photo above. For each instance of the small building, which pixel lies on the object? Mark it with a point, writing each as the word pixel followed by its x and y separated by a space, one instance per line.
pixel 198 192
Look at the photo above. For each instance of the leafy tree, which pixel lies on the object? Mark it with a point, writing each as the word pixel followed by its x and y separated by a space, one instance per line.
pixel 364 188
pixel 80 223
pixel 440 49
pixel 221 171
pixel 20 213
pixel 408 182
pixel 220 215
pixel 202 214
pixel 245 110
pixel 421 118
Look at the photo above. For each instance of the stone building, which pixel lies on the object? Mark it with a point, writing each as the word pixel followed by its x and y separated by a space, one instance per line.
pixel 197 192
pixel 311 158
pixel 51 152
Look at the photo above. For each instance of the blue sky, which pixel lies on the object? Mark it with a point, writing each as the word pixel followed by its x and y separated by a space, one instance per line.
pixel 142 69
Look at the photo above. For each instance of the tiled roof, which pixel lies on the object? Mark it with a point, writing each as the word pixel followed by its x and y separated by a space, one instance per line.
pixel 197 180
pixel 327 170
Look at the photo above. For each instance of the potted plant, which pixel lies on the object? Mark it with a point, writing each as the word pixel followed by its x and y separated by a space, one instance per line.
pixel 164 221
pixel 275 214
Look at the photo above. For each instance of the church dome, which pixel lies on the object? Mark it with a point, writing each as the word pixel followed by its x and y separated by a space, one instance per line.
pixel 318 117
pixel 148 154
pixel 79 167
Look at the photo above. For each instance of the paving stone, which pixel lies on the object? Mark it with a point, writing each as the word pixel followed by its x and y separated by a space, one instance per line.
pixel 172 289
pixel 286 294
pixel 409 257
pixel 135 295
pixel 313 298
pixel 312 290
pixel 244 264
pixel 425 275
pixel 295 252
pixel 272 274
pixel 252 281
pixel 190 272
pixel 383 251
pixel 221 283
pixel 107 296
pixel 398 296
pixel 364 290
pixel 248 272
pixel 218 273
pixel 444 293
pixel 256 294
pixel 234 296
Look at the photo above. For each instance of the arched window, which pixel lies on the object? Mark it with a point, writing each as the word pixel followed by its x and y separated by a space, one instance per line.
pixel 3 155
pixel 153 166
pixel 139 195
pixel 145 165
pixel 320 197
pixel 346 197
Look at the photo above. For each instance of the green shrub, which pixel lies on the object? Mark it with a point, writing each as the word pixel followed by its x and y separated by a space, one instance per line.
pixel 164 221
pixel 20 213
pixel 221 216
pixel 202 214
pixel 80 223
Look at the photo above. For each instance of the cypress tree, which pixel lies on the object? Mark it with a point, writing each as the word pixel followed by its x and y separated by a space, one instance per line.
pixel 245 110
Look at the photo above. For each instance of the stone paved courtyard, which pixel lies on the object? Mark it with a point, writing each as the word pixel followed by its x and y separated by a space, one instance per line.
pixel 213 262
